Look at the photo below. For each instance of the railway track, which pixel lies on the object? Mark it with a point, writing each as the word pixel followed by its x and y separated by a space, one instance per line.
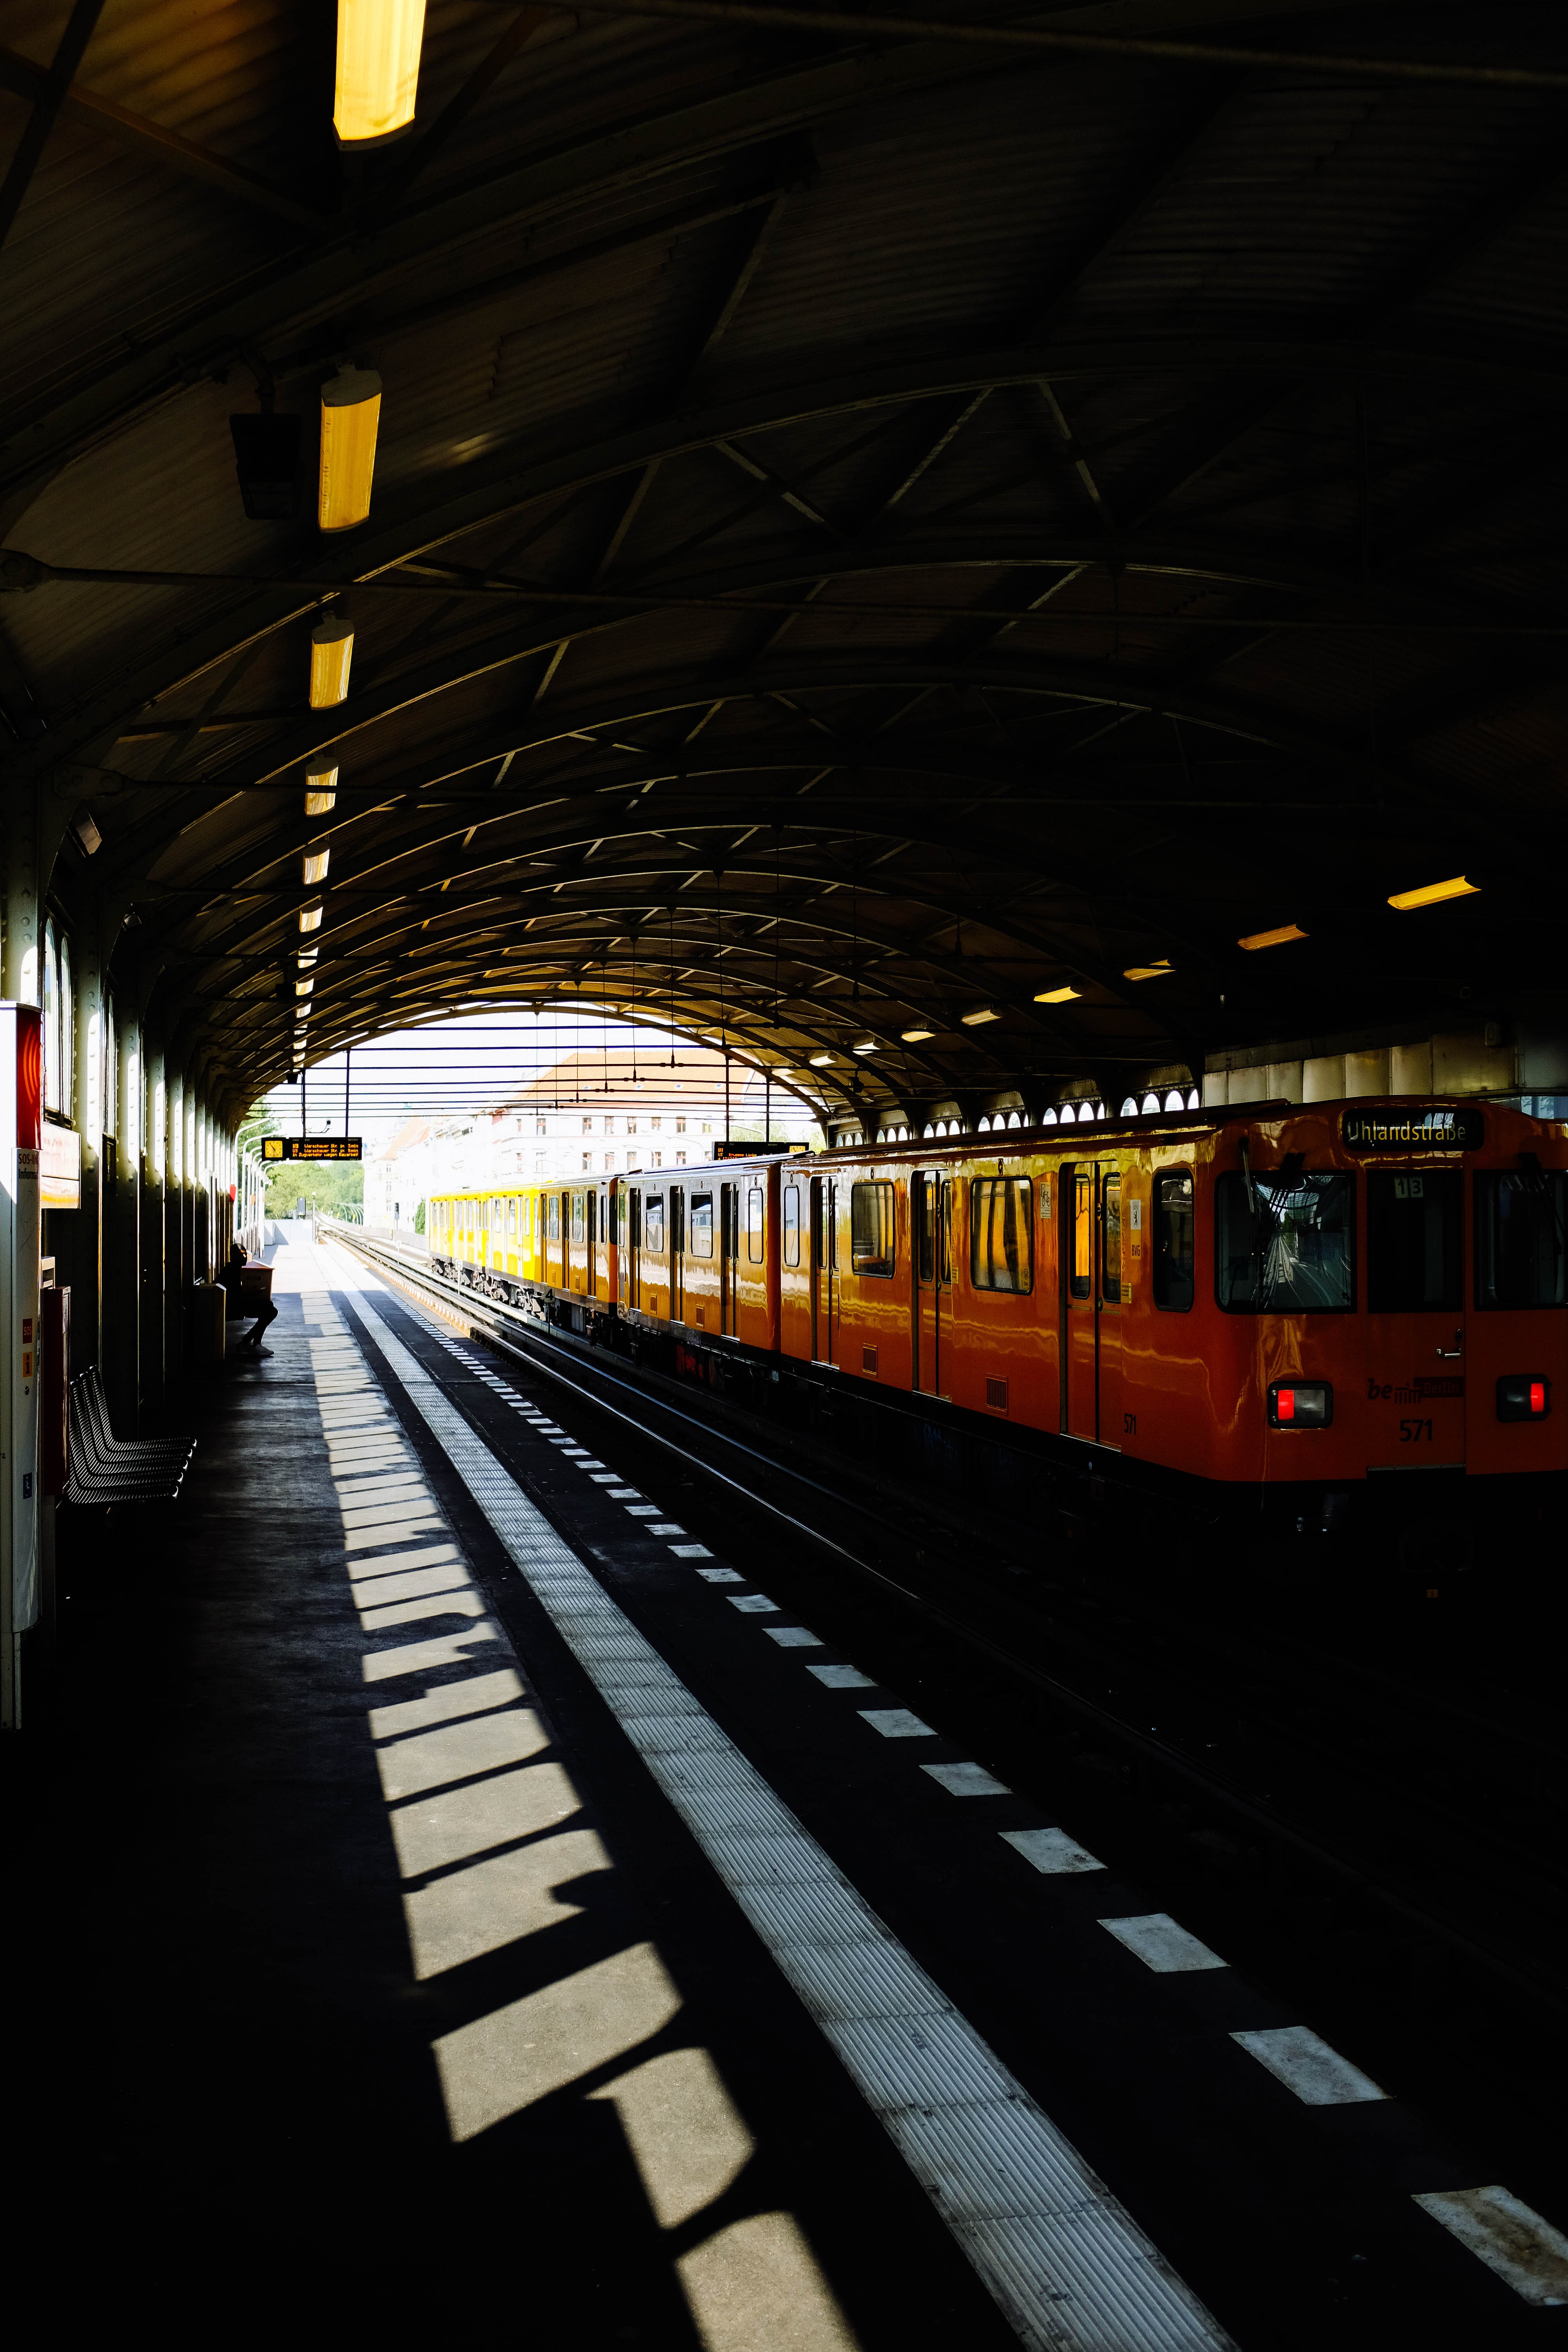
pixel 1398 1852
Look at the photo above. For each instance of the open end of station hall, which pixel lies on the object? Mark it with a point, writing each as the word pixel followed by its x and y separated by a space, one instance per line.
pixel 784 1171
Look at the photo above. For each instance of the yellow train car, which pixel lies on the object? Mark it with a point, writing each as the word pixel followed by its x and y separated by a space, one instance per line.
pixel 553 1242
pixel 492 1241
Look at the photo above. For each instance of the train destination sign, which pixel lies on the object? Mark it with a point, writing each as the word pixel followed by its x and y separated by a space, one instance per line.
pixel 1394 1128
pixel 312 1147
pixel 758 1150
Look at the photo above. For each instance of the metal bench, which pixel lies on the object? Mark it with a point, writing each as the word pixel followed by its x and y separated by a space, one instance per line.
pixel 104 1469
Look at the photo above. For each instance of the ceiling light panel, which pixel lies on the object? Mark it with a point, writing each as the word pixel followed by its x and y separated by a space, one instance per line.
pixel 1147 971
pixel 1058 995
pixel 332 653
pixel 320 791
pixel 1276 938
pixel 379 43
pixel 351 416
pixel 1432 894
pixel 315 862
pixel 980 1016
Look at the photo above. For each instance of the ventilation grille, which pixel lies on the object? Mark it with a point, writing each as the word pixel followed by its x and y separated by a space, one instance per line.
pixel 997 1395
pixel 867 1359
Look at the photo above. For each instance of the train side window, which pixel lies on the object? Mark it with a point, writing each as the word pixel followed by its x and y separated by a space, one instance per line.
pixel 792 1224
pixel 701 1242
pixel 1415 1241
pixel 754 1224
pixel 871 1230
pixel 925 1227
pixel 634 1208
pixel 1110 1239
pixel 579 1218
pixel 1519 1237
pixel 1082 1280
pixel 1288 1249
pixel 555 1216
pixel 1002 1233
pixel 676 1218
pixel 653 1222
pixel 1173 1233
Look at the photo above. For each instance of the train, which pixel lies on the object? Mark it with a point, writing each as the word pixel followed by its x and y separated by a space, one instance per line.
pixel 1289 1305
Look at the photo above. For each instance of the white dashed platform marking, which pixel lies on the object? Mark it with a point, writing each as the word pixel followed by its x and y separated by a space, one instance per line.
pixel 842 1677
pixel 896 1723
pixel 1307 2066
pixel 1051 1851
pixel 1160 1945
pixel 1508 2236
pixel 967 1780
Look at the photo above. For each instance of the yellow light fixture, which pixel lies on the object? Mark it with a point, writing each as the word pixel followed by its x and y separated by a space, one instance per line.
pixel 378 70
pixel 308 957
pixel 331 652
pixel 1058 995
pixel 1432 894
pixel 981 1015
pixel 1147 971
pixel 1272 939
pixel 865 1045
pixel 320 791
pixel 916 1036
pixel 303 987
pixel 820 1061
pixel 350 412
pixel 315 862
pixel 310 917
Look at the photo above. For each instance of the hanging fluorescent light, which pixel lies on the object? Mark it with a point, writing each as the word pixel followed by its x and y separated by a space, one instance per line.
pixel 820 1061
pixel 320 791
pixel 1272 939
pixel 303 987
pixel 310 917
pixel 866 1045
pixel 378 70
pixel 1147 971
pixel 331 652
pixel 315 862
pixel 306 957
pixel 351 411
pixel 916 1036
pixel 981 1015
pixel 1432 894
pixel 1058 995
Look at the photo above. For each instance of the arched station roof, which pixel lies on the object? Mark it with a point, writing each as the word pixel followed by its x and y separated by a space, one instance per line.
pixel 878 522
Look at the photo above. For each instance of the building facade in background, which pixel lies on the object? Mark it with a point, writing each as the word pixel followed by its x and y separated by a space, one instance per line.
pixel 592 1113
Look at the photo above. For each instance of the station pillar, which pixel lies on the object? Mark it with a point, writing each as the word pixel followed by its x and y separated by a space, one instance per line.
pixel 122 1237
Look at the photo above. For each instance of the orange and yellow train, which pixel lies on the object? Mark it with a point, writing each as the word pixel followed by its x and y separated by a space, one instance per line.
pixel 1263 1297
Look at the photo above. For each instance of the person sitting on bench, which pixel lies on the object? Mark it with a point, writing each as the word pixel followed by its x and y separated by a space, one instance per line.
pixel 248 1297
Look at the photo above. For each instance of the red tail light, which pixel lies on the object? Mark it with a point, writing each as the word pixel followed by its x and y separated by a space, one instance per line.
pixel 1522 1397
pixel 1301 1405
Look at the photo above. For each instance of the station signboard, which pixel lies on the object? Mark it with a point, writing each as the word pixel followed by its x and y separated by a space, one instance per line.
pixel 59 1167
pixel 1394 1126
pixel 312 1147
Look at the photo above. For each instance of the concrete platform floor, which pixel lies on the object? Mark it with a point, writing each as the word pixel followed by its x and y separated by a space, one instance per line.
pixel 302 2039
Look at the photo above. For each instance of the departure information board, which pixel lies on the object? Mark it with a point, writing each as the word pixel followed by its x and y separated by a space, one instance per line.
pixel 312 1147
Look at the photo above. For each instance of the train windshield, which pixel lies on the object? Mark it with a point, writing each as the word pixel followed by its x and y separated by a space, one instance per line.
pixel 1415 1241
pixel 1285 1246
pixel 1519 1237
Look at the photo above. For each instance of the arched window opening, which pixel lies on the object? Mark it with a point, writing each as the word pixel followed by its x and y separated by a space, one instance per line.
pixel 1151 1103
pixel 1173 1099
pixel 52 1021
pixel 68 1035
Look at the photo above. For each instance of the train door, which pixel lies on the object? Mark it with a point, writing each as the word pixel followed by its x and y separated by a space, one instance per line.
pixel 1416 1324
pixel 932 1259
pixel 730 1257
pixel 1093 1292
pixel 825 1302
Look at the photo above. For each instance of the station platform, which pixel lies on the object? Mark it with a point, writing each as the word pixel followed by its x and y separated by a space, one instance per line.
pixel 483 1902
